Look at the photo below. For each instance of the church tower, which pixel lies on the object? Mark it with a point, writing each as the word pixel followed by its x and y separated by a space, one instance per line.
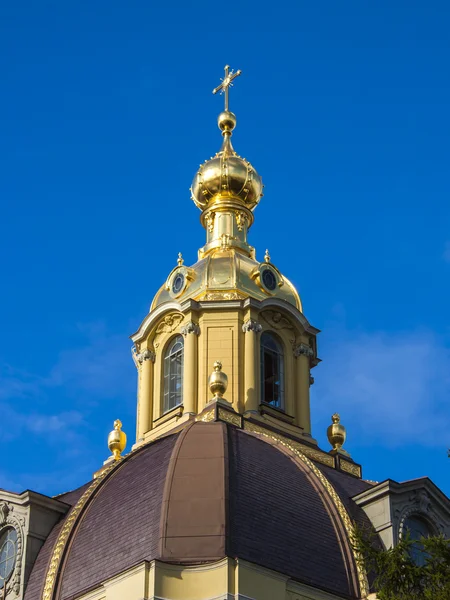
pixel 228 308
pixel 225 493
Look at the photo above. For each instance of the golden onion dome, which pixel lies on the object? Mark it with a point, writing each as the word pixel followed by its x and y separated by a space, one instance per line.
pixel 227 175
pixel 226 189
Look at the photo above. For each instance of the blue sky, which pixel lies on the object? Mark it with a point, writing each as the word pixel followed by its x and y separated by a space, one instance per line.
pixel 106 112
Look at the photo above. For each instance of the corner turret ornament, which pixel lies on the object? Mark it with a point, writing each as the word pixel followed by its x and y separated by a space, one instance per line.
pixel 117 440
pixel 218 382
pixel 337 435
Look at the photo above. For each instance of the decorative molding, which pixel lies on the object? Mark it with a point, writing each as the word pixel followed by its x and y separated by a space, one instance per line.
pixel 419 504
pixel 65 533
pixel 230 417
pixel 311 380
pixel 190 327
pixel 222 296
pixel 169 323
pixel 209 219
pixel 5 509
pixel 9 519
pixel 146 355
pixel 276 320
pixel 350 467
pixel 241 220
pixel 345 518
pixel 208 416
pixel 251 325
pixel 303 350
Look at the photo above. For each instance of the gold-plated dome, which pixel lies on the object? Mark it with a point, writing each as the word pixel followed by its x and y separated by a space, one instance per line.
pixel 227 188
pixel 227 175
pixel 227 274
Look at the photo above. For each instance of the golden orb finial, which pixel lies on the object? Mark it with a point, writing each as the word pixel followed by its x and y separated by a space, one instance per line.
pixel 336 434
pixel 117 440
pixel 218 381
pixel 267 257
pixel 227 179
pixel 180 259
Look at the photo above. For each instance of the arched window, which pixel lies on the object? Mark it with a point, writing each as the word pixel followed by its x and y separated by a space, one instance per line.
pixel 8 553
pixel 417 529
pixel 173 374
pixel 272 370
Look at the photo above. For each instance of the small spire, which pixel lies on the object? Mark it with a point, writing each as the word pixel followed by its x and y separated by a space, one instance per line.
pixel 218 381
pixel 267 257
pixel 337 434
pixel 180 260
pixel 117 440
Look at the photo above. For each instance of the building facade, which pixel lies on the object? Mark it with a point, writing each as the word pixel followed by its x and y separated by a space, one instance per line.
pixel 225 493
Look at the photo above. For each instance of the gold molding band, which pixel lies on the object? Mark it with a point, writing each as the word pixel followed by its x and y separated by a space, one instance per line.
pixel 351 468
pixel 207 416
pixel 64 534
pixel 230 417
pixel 292 446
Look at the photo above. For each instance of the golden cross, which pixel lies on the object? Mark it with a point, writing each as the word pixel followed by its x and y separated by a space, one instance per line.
pixel 227 82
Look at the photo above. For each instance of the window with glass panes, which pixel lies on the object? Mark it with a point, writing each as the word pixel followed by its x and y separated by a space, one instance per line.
pixel 173 374
pixel 272 370
pixel 8 551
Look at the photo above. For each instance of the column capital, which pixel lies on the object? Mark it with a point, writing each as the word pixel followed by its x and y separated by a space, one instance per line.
pixel 303 350
pixel 145 355
pixel 251 325
pixel 190 327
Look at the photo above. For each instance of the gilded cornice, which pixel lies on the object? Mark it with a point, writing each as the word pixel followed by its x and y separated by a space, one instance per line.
pixel 343 514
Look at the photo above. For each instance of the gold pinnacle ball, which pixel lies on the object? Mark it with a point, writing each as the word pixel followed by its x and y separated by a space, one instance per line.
pixel 117 440
pixel 336 433
pixel 218 381
pixel 226 121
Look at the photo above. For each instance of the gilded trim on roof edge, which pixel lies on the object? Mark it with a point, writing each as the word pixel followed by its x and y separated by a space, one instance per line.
pixel 292 446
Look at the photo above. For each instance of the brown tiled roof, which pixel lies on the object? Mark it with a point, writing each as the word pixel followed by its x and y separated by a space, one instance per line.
pixel 207 492
pixel 36 580
pixel 347 487
pixel 278 519
pixel 39 571
pixel 121 527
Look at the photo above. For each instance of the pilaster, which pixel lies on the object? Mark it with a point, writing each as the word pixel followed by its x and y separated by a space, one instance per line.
pixel 190 331
pixel 251 329
pixel 145 362
pixel 303 354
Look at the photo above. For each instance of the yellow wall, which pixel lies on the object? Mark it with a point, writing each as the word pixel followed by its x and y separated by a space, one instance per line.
pixel 225 579
pixel 220 337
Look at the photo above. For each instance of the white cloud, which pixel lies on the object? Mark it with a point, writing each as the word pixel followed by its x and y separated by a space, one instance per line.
pixel 100 369
pixel 390 388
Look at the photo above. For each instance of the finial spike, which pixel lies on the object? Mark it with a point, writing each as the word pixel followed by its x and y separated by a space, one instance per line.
pixel 180 259
pixel 267 257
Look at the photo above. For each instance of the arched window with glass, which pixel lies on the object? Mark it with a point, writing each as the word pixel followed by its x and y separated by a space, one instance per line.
pixel 417 528
pixel 8 553
pixel 272 370
pixel 173 373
